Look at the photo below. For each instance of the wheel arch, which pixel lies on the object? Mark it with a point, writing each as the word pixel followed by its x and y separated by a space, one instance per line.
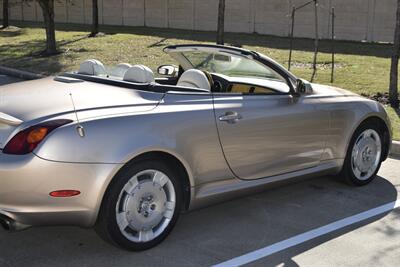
pixel 382 124
pixel 171 160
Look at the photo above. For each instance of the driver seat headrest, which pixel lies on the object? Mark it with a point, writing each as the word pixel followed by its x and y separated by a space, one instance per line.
pixel 92 67
pixel 195 79
pixel 139 74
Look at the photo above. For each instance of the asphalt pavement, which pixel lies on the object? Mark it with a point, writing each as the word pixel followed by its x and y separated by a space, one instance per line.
pixel 219 233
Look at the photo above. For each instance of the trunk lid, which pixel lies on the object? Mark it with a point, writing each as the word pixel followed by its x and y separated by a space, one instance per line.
pixel 26 101
pixel 7 125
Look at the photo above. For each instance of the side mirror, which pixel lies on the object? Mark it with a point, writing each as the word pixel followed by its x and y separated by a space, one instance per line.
pixel 303 87
pixel 168 70
pixel 300 88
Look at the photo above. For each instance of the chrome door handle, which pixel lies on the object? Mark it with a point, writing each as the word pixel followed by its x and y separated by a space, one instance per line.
pixel 230 117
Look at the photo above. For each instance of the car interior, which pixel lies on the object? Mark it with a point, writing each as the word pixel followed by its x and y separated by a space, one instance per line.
pixel 177 77
pixel 144 75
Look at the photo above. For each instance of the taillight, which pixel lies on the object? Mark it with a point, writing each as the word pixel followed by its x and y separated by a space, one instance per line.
pixel 27 140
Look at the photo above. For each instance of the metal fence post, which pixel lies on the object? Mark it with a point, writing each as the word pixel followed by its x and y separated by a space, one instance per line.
pixel 316 40
pixel 333 44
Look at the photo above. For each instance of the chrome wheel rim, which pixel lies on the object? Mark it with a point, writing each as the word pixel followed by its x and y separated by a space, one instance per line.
pixel 366 154
pixel 145 206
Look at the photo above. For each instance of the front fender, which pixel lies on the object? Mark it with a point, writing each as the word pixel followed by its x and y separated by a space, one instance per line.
pixel 346 117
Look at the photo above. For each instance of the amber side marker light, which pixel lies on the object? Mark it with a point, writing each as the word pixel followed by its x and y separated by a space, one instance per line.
pixel 65 193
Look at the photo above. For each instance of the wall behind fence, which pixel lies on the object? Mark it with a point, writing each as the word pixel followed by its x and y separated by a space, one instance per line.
pixel 369 20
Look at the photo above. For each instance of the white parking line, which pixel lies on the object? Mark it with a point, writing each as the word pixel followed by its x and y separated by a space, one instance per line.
pixel 301 238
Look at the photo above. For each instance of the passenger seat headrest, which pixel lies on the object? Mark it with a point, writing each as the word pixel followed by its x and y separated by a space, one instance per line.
pixel 195 79
pixel 92 67
pixel 139 74
pixel 120 69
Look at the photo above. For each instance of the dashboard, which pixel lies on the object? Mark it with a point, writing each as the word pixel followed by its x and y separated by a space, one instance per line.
pixel 244 85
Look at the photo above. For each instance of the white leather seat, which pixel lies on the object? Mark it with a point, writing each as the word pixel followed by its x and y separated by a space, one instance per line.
pixel 120 70
pixel 92 67
pixel 139 74
pixel 195 79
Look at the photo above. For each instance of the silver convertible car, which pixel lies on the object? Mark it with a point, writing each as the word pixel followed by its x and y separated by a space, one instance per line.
pixel 125 152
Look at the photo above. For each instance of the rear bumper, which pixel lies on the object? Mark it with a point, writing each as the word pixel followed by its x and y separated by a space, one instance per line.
pixel 25 184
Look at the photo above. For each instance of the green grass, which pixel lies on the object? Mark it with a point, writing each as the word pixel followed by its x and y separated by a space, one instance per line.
pixel 361 67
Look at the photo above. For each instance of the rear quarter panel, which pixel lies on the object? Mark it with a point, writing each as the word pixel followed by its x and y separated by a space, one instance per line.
pixel 181 125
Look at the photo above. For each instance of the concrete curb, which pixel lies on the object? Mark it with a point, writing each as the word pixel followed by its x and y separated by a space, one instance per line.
pixel 395 150
pixel 20 73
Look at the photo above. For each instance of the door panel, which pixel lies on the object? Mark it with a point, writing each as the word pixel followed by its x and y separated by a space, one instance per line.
pixel 266 135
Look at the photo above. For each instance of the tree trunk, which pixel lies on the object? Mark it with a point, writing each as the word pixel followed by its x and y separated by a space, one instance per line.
pixel 95 18
pixel 221 22
pixel 5 14
pixel 48 16
pixel 394 73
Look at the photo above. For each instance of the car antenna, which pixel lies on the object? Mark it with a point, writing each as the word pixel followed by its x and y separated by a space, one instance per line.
pixel 79 127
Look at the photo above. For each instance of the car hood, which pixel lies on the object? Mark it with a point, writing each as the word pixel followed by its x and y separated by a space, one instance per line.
pixel 326 90
pixel 30 100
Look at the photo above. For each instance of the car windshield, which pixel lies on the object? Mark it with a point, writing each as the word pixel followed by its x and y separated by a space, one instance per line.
pixel 230 65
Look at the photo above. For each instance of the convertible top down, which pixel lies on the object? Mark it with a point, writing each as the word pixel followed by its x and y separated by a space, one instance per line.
pixel 126 151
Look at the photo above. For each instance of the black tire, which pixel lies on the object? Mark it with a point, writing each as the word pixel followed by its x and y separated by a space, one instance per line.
pixel 347 173
pixel 107 226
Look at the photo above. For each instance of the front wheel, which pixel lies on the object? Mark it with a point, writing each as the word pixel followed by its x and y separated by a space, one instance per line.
pixel 364 155
pixel 141 206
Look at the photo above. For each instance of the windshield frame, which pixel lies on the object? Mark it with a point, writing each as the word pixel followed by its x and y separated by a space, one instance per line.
pixel 175 52
pixel 253 69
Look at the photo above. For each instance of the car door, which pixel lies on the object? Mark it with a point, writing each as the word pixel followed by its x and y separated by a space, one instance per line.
pixel 265 135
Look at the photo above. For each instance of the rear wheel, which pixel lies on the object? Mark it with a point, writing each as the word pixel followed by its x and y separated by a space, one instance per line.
pixel 141 206
pixel 364 155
